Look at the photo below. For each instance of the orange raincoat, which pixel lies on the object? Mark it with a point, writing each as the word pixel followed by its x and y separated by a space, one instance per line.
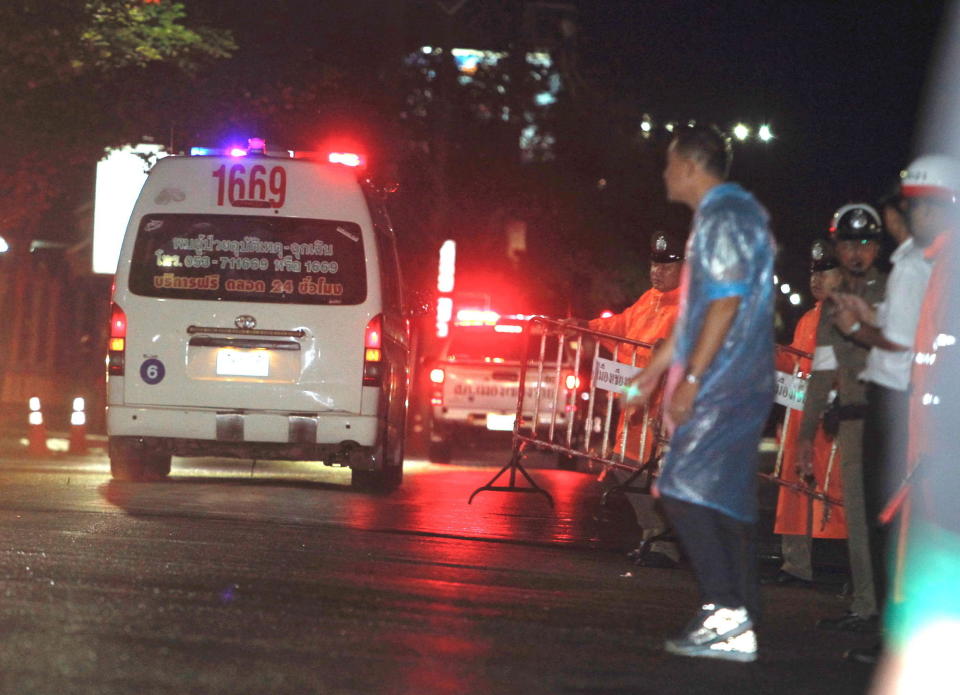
pixel 792 506
pixel 649 320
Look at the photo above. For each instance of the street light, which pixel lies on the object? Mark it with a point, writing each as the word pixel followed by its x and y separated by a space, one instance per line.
pixel 764 133
pixel 741 131
pixel 4 246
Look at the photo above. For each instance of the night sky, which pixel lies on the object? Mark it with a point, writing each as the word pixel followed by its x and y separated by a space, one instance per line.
pixel 840 82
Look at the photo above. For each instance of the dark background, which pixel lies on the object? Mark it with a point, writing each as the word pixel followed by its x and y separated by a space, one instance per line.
pixel 840 83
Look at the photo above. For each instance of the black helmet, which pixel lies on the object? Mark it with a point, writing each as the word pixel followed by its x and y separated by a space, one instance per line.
pixel 822 256
pixel 665 249
pixel 856 222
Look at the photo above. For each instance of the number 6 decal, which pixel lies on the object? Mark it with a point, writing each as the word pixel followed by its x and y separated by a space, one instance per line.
pixel 152 371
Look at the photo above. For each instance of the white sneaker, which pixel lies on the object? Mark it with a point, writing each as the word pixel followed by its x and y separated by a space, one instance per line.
pixel 718 633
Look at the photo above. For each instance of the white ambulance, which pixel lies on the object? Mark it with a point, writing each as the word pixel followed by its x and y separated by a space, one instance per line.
pixel 257 313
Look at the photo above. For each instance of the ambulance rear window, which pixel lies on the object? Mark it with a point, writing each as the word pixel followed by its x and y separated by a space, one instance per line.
pixel 249 258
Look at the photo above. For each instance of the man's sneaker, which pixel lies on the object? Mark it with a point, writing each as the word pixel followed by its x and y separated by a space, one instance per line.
pixel 718 633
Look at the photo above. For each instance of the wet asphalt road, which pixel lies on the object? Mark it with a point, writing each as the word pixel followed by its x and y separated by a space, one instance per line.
pixel 280 578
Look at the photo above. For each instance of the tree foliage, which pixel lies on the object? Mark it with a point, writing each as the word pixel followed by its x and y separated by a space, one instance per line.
pixel 69 73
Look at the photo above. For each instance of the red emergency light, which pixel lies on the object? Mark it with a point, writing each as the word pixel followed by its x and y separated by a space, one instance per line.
pixel 349 159
pixel 476 317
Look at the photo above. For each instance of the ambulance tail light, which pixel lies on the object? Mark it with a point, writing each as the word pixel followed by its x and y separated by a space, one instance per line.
pixel 373 352
pixel 116 348
pixel 572 382
pixel 437 377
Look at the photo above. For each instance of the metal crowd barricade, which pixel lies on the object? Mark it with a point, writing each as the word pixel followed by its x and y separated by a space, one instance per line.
pixel 791 391
pixel 553 419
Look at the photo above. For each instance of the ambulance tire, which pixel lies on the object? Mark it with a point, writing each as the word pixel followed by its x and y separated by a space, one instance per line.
pixel 441 452
pixel 387 478
pixel 130 462
pixel 383 480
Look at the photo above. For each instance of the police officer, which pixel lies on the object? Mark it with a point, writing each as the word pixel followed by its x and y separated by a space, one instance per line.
pixel 799 520
pixel 649 320
pixel 838 361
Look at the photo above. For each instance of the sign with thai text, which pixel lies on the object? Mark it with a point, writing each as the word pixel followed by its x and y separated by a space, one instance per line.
pixel 611 375
pixel 791 390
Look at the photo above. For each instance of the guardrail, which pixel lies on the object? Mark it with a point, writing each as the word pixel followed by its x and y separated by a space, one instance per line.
pixel 587 432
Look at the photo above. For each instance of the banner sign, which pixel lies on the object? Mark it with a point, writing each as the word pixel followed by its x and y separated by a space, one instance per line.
pixel 611 375
pixel 791 390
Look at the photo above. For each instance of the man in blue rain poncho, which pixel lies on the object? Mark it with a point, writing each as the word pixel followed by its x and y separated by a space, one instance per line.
pixel 719 391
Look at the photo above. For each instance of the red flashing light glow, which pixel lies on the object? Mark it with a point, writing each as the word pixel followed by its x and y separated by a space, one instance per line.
pixel 437 375
pixel 508 328
pixel 571 381
pixel 350 159
pixel 606 314
pixel 477 317
pixel 256 145
pixel 444 314
pixel 237 152
pixel 448 262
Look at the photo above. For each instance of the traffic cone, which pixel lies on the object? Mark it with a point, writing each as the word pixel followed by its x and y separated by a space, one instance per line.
pixel 37 431
pixel 78 427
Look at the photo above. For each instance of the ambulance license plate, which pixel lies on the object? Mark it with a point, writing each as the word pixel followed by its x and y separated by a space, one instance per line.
pixel 232 362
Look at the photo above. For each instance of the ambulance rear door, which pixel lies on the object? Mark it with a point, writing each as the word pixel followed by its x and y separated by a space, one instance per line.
pixel 247 284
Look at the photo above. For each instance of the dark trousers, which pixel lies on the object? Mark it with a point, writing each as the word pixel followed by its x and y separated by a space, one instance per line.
pixel 723 552
pixel 884 461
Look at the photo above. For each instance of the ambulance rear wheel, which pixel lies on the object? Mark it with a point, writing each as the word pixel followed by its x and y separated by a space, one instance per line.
pixel 131 462
pixel 383 480
pixel 389 476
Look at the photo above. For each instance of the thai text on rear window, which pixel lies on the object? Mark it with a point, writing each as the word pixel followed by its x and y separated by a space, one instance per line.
pixel 249 258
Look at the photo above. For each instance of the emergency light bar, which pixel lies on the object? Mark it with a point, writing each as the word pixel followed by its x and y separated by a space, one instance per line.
pixel 476 317
pixel 258 146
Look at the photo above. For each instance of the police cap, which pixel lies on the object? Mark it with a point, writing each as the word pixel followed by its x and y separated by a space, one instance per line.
pixel 822 256
pixel 665 249
pixel 856 222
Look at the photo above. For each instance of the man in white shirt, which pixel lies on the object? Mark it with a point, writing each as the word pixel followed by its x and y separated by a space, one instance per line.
pixel 889 332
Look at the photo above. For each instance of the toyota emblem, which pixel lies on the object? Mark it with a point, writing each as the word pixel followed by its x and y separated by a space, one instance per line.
pixel 245 321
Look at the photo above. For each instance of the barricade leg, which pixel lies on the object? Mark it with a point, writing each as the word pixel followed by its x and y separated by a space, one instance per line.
pixel 514 466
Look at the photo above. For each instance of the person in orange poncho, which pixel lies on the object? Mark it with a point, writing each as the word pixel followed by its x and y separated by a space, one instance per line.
pixel 794 509
pixel 650 319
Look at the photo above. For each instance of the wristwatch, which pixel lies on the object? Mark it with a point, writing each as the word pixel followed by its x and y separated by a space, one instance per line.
pixel 691 378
